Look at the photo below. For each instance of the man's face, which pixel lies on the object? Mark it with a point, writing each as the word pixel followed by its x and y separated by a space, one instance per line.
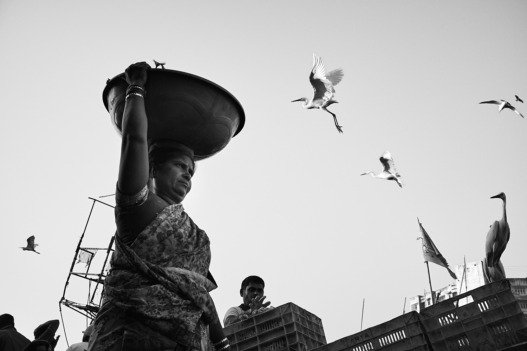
pixel 252 291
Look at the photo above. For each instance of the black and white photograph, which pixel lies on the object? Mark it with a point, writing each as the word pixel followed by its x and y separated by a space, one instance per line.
pixel 247 175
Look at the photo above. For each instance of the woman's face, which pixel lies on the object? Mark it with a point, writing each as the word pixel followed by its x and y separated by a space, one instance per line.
pixel 173 178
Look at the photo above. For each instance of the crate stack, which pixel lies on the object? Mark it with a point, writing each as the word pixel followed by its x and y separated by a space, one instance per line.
pixel 403 333
pixel 486 318
pixel 287 327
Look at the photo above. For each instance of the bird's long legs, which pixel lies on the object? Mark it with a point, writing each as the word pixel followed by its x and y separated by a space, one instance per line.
pixel 339 127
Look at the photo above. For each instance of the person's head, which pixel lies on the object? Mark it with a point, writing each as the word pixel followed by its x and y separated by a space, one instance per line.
pixel 87 333
pixel 252 286
pixel 172 166
pixel 46 331
pixel 6 321
pixel 38 345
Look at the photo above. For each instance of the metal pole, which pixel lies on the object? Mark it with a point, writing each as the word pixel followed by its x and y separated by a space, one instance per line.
pixel 404 305
pixel 362 315
pixel 430 282
pixel 465 273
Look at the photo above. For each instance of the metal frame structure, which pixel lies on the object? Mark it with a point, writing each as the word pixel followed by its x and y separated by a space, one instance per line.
pixel 90 307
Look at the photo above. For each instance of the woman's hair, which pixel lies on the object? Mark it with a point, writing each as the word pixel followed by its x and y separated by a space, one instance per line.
pixel 161 151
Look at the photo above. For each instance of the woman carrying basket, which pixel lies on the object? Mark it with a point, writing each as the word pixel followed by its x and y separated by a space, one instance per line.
pixel 156 295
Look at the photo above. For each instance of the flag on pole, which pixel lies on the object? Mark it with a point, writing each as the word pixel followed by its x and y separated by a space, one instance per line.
pixel 431 253
pixel 85 256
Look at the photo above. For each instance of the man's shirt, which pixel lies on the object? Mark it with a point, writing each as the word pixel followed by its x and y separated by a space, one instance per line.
pixel 237 313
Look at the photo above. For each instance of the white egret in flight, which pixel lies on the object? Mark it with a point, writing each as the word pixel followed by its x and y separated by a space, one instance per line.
pixel 323 85
pixel 389 172
pixel 30 244
pixel 503 104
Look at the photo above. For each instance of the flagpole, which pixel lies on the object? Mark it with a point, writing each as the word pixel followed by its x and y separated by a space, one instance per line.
pixel 463 277
pixel 430 282
pixel 362 315
pixel 465 272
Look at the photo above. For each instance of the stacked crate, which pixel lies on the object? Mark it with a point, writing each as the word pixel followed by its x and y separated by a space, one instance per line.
pixel 286 327
pixel 403 333
pixel 486 318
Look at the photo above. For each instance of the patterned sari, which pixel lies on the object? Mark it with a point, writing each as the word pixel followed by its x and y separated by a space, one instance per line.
pixel 157 295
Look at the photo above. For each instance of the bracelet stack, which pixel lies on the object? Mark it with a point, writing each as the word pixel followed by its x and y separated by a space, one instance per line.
pixel 222 345
pixel 135 90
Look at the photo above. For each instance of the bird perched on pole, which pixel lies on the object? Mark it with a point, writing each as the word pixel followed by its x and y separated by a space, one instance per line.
pixel 323 85
pixel 503 104
pixel 498 236
pixel 389 172
pixel 30 244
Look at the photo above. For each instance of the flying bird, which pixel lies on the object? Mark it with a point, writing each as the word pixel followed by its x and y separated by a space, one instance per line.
pixel 389 172
pixel 498 236
pixel 323 85
pixel 159 64
pixel 518 98
pixel 503 104
pixel 30 244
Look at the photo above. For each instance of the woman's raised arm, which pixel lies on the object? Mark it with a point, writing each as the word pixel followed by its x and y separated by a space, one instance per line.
pixel 134 167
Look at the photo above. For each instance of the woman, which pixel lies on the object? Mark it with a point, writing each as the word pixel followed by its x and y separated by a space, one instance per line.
pixel 156 295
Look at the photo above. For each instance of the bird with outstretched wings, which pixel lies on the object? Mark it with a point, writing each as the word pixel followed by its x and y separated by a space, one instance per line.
pixel 323 84
pixel 502 104
pixel 323 87
pixel 30 245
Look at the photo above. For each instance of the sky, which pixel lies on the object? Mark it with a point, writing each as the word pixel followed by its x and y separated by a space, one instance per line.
pixel 285 199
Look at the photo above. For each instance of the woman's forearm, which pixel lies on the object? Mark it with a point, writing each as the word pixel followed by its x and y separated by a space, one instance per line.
pixel 134 167
pixel 135 123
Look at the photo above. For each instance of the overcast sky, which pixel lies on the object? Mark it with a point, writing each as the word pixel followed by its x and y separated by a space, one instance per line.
pixel 284 200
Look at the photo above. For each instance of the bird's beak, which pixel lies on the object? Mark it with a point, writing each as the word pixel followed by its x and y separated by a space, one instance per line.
pixel 296 100
pixel 496 196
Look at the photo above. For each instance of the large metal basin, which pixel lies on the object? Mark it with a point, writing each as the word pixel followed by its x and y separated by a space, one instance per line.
pixel 183 107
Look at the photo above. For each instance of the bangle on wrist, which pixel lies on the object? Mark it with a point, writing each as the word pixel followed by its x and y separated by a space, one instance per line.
pixel 130 95
pixel 223 341
pixel 222 345
pixel 135 86
pixel 135 89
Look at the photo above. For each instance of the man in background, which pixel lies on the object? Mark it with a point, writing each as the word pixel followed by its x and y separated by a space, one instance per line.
pixel 10 338
pixel 252 293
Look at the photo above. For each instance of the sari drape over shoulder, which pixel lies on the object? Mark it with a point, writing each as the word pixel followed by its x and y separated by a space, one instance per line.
pixel 157 287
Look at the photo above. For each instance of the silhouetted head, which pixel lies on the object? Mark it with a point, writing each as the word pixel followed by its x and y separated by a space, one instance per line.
pixel 46 331
pixel 6 321
pixel 38 345
pixel 171 169
pixel 499 196
pixel 252 286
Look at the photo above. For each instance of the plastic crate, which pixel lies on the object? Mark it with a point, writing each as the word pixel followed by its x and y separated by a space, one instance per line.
pixel 491 320
pixel 286 327
pixel 399 334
